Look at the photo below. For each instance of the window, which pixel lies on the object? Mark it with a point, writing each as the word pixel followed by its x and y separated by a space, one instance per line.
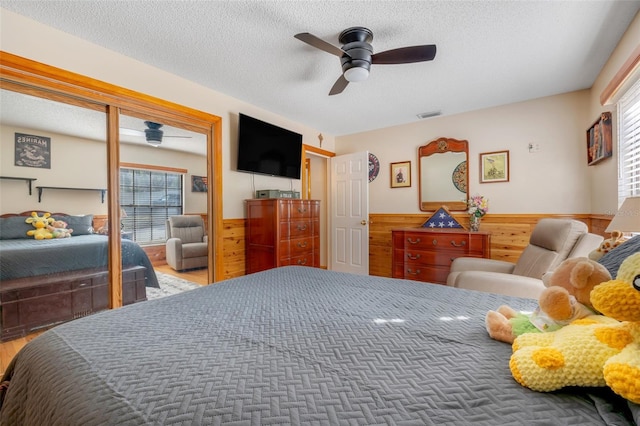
pixel 148 198
pixel 629 144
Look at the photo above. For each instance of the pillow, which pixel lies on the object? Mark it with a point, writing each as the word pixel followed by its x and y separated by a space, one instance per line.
pixel 13 228
pixel 81 225
pixel 615 257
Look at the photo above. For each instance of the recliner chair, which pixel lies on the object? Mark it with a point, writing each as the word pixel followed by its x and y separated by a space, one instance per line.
pixel 551 242
pixel 186 246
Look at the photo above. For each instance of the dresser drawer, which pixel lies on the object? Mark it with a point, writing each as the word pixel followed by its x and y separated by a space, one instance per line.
pixel 298 228
pixel 457 242
pixel 422 257
pixel 300 246
pixel 424 273
pixel 308 259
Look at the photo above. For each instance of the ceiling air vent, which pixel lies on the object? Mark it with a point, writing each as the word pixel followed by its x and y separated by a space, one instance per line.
pixel 428 114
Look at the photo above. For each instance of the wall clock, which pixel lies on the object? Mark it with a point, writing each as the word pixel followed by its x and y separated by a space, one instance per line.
pixel 374 167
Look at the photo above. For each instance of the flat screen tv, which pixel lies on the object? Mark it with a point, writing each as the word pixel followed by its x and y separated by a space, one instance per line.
pixel 268 149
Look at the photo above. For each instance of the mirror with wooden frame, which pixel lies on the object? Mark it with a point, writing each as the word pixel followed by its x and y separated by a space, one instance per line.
pixel 443 174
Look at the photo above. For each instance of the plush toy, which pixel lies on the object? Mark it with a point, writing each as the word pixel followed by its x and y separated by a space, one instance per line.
pixel 565 299
pixel 40 223
pixel 607 245
pixel 590 351
pixel 58 229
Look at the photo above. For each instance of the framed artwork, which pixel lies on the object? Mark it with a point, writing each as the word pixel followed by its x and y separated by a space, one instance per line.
pixel 32 151
pixel 599 140
pixel 198 183
pixel 401 174
pixel 494 167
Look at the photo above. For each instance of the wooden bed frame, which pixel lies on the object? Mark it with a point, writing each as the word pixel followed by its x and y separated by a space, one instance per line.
pixel 32 303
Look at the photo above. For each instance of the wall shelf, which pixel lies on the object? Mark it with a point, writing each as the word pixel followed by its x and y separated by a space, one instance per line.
pixel 28 180
pixel 41 188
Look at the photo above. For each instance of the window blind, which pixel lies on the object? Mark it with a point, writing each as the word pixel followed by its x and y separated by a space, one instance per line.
pixel 629 144
pixel 149 197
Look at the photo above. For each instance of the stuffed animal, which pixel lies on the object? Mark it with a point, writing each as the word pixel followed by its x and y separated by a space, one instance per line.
pixel 607 245
pixel 590 351
pixel 40 223
pixel 58 229
pixel 565 299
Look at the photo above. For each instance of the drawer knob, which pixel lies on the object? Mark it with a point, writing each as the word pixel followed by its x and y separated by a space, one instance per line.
pixel 301 210
pixel 416 241
pixel 302 261
pixel 302 244
pixel 302 227
pixel 434 242
pixel 462 244
pixel 412 257
pixel 410 272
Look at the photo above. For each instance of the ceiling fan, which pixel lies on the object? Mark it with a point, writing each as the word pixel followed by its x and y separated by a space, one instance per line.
pixel 356 54
pixel 153 133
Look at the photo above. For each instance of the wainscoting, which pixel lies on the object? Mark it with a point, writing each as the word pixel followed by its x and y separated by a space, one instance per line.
pixel 509 236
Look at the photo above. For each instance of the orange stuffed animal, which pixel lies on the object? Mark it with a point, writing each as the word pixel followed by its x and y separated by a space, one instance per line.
pixel 565 299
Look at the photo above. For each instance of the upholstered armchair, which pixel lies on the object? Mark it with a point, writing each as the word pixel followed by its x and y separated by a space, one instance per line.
pixel 186 246
pixel 551 242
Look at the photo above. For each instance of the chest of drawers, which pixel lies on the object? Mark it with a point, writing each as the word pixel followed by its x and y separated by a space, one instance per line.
pixel 426 254
pixel 282 232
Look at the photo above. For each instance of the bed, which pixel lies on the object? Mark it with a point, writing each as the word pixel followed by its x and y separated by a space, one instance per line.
pixel 44 282
pixel 290 346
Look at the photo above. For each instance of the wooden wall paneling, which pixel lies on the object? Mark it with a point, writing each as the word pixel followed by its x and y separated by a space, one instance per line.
pixel 510 234
pixel 234 248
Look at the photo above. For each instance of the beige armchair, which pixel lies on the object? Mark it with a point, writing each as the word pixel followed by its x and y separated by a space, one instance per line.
pixel 186 246
pixel 551 242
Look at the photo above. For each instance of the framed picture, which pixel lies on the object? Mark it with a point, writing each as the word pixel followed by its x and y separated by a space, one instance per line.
pixel 401 174
pixel 198 183
pixel 599 142
pixel 32 151
pixel 494 167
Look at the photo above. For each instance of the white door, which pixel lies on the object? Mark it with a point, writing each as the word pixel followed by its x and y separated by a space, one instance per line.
pixel 350 213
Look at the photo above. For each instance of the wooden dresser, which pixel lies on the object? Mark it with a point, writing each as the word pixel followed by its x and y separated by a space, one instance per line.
pixel 282 232
pixel 424 254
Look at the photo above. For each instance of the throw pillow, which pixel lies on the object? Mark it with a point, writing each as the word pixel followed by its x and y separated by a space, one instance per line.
pixel 81 225
pixel 13 228
pixel 615 257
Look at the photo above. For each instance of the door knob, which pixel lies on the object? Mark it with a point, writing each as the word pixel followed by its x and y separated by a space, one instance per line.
pixel 364 222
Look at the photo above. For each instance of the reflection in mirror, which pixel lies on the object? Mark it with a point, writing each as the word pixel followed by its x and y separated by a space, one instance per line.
pixel 163 179
pixel 55 257
pixel 443 176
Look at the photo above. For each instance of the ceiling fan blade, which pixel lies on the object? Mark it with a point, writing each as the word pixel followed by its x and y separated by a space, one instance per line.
pixel 340 84
pixel 319 43
pixel 130 132
pixel 405 55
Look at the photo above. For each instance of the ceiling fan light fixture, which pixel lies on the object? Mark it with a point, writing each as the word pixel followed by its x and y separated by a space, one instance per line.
pixel 154 136
pixel 356 74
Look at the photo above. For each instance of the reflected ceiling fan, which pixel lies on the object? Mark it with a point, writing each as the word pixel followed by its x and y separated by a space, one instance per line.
pixel 356 54
pixel 153 133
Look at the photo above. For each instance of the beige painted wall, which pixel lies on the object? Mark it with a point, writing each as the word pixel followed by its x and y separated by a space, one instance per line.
pixel 551 180
pixel 79 163
pixel 30 39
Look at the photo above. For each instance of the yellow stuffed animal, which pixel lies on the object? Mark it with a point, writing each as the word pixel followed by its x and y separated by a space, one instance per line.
pixel 594 351
pixel 40 223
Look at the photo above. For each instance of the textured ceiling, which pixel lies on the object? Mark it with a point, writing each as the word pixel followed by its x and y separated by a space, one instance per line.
pixel 489 52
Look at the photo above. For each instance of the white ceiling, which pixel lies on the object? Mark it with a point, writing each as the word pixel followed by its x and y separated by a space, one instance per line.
pixel 489 53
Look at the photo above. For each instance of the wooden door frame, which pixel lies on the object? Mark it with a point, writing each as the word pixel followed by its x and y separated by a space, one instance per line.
pixel 37 79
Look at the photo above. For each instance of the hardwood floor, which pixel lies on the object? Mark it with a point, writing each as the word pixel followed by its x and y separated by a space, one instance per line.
pixel 9 349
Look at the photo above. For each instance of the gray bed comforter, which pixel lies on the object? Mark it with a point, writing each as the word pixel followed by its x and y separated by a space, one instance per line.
pixel 29 258
pixel 290 346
